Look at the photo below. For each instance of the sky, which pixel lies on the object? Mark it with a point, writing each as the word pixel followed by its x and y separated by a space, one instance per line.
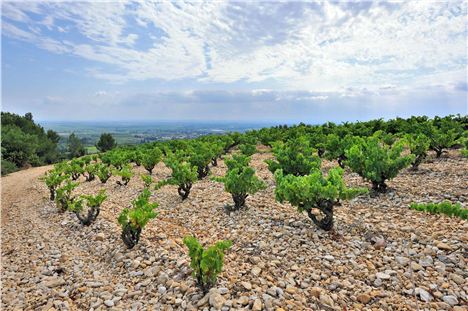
pixel 234 61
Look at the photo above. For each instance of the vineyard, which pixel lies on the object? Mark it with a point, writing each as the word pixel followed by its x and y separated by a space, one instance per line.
pixel 365 215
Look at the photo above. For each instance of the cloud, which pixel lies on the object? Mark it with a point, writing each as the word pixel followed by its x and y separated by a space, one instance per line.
pixel 326 46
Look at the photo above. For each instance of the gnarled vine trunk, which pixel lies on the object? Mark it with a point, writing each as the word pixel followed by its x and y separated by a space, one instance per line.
pixel 130 236
pixel 239 200
pixel 203 171
pixel 326 222
pixel 89 217
pixel 184 190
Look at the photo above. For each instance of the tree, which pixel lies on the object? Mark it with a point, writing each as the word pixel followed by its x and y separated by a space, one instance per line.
pixel 75 147
pixel 183 175
pixel 419 145
pixel 315 191
pixel 240 180
pixel 106 142
pixel 150 158
pixel 376 161
pixel 335 148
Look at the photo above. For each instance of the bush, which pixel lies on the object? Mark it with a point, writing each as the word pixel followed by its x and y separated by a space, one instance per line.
pixel 103 172
pixel 442 208
pixel 134 220
pixel 315 191
pixel 217 149
pixel 376 161
pixel 240 180
pixel 92 209
pixel 443 136
pixel 147 180
pixel 106 142
pixel 74 168
pixel 150 158
pixel 418 145
pixel 53 179
pixel 75 146
pixel 183 175
pixel 247 149
pixel 200 156
pixel 334 148
pixel 206 263
pixel 296 157
pixel 125 173
pixel 91 171
pixel 63 195
pixel 8 167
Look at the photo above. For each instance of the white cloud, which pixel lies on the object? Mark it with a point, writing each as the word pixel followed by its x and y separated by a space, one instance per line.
pixel 332 46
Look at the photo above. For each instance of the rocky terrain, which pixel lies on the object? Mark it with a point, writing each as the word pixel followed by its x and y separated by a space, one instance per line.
pixel 381 256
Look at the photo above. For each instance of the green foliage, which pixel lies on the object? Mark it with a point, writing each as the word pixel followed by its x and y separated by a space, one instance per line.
pixel 53 179
pixel 315 191
pixel 75 168
pixel 91 170
pixel 418 145
pixel 147 180
pixel 206 263
pixel 335 147
pixel 183 175
pixel 125 173
pixel 75 146
pixel 134 220
pixel 106 142
pixel 377 162
pixel 240 180
pixel 445 207
pixel 200 156
pixel 247 149
pixel 103 172
pixel 63 195
pixel 150 158
pixel 443 134
pixel 296 157
pixel 26 143
pixel 87 207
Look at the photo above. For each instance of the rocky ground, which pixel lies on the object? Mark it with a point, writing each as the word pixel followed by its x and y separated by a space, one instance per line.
pixel 382 255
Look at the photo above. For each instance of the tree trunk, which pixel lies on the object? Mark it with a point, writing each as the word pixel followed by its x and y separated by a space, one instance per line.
pixel 380 187
pixel 239 200
pixel 130 236
pixel 326 222
pixel 184 190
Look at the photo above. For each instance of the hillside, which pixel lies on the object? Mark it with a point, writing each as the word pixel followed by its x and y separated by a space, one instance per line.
pixel 378 254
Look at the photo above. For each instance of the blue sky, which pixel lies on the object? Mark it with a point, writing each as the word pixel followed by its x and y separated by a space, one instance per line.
pixel 265 61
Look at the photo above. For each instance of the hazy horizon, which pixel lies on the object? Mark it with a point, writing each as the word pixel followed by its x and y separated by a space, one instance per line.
pixel 234 61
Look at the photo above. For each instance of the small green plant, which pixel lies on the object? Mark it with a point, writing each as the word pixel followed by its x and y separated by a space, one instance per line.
pixel 206 263
pixel 217 150
pixel 90 170
pixel 295 157
pixel 315 191
pixel 87 207
pixel 75 168
pixel 125 174
pixel 63 195
pixel 147 180
pixel 150 158
pixel 135 219
pixel 103 172
pixel 334 148
pixel 53 179
pixel 240 180
pixel 376 161
pixel 183 175
pixel 247 149
pixel 444 207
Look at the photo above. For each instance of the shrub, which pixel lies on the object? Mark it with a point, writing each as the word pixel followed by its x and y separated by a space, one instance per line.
pixel 134 220
pixel 206 263
pixel 442 137
pixel 86 215
pixel 63 195
pixel 183 176
pixel 247 149
pixel 91 171
pixel 75 168
pixel 296 157
pixel 418 145
pixel 442 208
pixel 334 147
pixel 103 172
pixel 376 161
pixel 125 174
pixel 240 180
pixel 75 146
pixel 315 191
pixel 150 158
pixel 200 156
pixel 217 149
pixel 53 179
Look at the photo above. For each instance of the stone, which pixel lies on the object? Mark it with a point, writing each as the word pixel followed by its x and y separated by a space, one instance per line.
pixel 326 300
pixel 402 260
pixel 363 298
pixel 223 290
pixel 416 266
pixel 100 236
pixel 162 290
pixel 290 289
pixel 457 278
pixel 247 285
pixel 216 300
pixel 54 282
pixel 256 271
pixel 329 257
pixel 382 276
pixel 450 299
pixel 443 246
pixel 243 300
pixel 109 302
pixel 257 305
pixel 315 291
pixel 424 295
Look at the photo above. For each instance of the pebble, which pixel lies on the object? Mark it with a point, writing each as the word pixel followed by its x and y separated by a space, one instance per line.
pixel 450 299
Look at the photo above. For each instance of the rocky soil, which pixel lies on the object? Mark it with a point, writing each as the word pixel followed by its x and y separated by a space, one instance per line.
pixel 382 255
